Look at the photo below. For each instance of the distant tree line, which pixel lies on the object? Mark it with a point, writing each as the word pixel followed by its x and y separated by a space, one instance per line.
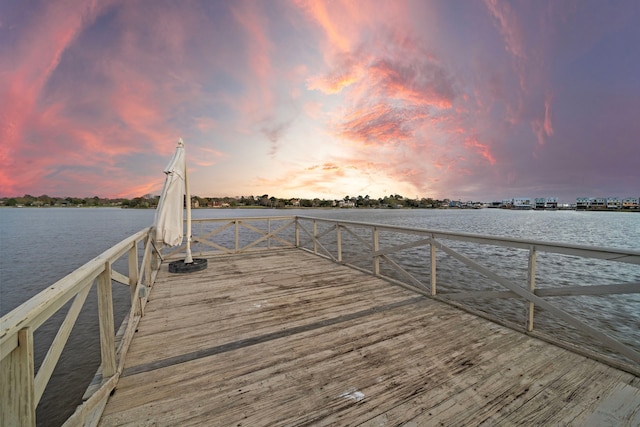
pixel 265 201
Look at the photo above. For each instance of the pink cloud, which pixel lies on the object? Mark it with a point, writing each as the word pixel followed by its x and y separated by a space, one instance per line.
pixel 542 127
pixel 378 124
pixel 482 149
pixel 131 99
pixel 206 124
pixel 415 82
pixel 258 47
pixel 548 127
pixel 507 23
pixel 332 84
pixel 334 31
pixel 26 71
pixel 393 85
pixel 313 109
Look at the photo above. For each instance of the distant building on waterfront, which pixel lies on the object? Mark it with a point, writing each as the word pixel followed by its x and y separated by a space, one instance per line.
pixel 522 203
pixel 607 203
pixel 582 203
pixel 542 203
pixel 631 203
pixel 614 203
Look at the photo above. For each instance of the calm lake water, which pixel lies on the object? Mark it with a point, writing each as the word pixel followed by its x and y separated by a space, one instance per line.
pixel 40 246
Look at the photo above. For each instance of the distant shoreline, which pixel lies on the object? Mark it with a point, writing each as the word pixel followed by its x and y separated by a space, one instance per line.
pixel 316 208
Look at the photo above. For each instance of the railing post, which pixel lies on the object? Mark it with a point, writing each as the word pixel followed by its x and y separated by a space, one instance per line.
pixel 339 240
pixel 376 248
pixel 200 234
pixel 147 264
pixel 532 285
pixel 297 232
pixel 155 261
pixel 315 237
pixel 269 232
pixel 17 405
pixel 433 265
pixel 105 318
pixel 134 272
pixel 237 224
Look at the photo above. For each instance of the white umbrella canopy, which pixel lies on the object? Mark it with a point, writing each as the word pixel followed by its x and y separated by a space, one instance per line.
pixel 169 214
pixel 167 224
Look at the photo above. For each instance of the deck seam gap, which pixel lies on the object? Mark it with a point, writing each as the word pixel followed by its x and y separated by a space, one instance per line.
pixel 247 342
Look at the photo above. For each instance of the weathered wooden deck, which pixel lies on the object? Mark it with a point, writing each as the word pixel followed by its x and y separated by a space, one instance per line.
pixel 289 338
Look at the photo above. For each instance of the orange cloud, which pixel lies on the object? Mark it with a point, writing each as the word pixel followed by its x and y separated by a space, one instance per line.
pixel 317 11
pixel 331 84
pixel 416 82
pixel 377 124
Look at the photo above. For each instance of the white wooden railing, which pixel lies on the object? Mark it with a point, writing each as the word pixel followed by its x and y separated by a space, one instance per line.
pixel 326 238
pixel 364 246
pixel 239 235
pixel 21 388
pixel 360 245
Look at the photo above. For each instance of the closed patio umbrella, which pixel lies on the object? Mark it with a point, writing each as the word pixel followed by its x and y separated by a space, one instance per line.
pixel 168 221
pixel 169 214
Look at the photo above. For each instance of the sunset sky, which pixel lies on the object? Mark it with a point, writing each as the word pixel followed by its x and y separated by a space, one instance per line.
pixel 471 100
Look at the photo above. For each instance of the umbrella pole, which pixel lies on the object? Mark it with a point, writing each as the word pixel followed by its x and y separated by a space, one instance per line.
pixel 188 259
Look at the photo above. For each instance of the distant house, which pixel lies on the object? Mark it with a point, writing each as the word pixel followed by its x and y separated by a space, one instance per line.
pixel 582 203
pixel 545 203
pixel 552 203
pixel 631 203
pixel 522 203
pixel 597 203
pixel 614 203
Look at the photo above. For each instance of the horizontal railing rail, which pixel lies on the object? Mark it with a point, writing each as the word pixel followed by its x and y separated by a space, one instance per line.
pixel 367 252
pixel 239 235
pixel 22 388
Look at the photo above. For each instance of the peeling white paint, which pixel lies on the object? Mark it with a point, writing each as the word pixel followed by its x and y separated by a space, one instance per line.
pixel 353 394
pixel 260 304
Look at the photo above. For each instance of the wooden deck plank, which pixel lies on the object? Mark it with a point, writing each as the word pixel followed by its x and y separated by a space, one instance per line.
pixel 323 344
pixel 261 312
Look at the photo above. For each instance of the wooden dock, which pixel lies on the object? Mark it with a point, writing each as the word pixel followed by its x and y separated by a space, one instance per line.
pixel 289 338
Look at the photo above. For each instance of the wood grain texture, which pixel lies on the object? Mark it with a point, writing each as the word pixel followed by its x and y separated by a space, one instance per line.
pixel 288 338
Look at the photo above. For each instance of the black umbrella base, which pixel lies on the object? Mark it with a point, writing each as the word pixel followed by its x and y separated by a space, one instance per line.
pixel 198 264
